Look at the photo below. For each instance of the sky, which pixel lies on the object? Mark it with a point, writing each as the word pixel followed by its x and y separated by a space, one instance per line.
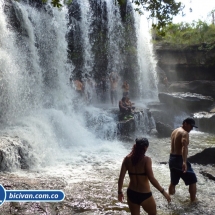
pixel 200 10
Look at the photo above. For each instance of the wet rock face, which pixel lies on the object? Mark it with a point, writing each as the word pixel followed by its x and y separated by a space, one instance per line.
pixel 126 127
pixel 13 21
pixel 186 64
pixel 142 122
pixel 186 101
pixel 191 84
pixel 179 103
pixel 164 130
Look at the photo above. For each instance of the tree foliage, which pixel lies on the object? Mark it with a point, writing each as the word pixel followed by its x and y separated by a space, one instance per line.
pixel 162 10
pixel 197 33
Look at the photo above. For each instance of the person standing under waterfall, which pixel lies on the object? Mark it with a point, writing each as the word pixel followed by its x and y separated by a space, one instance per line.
pixel 178 164
pixel 125 88
pixel 139 167
pixel 113 88
pixel 79 87
pixel 88 89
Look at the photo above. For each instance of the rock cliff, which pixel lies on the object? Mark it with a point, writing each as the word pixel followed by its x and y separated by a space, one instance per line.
pixel 185 71
pixel 186 64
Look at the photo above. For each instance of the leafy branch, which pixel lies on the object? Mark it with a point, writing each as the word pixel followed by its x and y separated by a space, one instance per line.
pixel 162 10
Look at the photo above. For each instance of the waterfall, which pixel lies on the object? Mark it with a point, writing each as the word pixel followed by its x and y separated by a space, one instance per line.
pixel 144 123
pixel 147 80
pixel 35 66
pixel 115 35
pixel 86 18
pixel 36 97
pixel 38 103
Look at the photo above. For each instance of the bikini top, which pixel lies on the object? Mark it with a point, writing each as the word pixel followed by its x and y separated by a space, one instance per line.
pixel 133 173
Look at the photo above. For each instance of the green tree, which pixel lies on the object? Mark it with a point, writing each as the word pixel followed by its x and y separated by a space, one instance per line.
pixel 198 33
pixel 162 10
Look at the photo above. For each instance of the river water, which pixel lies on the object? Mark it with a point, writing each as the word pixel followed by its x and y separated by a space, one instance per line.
pixel 70 146
pixel 94 186
pixel 89 179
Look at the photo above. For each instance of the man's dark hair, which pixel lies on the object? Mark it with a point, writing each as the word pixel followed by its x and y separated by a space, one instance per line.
pixel 190 121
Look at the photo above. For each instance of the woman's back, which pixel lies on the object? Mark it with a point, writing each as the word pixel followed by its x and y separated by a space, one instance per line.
pixel 138 174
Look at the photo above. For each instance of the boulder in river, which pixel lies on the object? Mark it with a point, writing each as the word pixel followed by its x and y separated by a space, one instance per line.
pixel 164 130
pixel 207 156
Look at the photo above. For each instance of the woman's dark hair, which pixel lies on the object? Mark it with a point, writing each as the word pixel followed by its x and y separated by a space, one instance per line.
pixel 139 149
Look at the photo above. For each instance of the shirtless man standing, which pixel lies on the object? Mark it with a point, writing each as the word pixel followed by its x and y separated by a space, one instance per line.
pixel 178 164
pixel 113 87
pixel 125 88
pixel 78 87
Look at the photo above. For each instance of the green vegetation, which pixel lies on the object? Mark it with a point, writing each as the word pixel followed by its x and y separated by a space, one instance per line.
pixel 162 10
pixel 197 33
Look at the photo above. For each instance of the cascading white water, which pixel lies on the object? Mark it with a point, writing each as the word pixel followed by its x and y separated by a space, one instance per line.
pixel 37 99
pixel 144 123
pixel 115 29
pixel 146 60
pixel 17 95
pixel 86 18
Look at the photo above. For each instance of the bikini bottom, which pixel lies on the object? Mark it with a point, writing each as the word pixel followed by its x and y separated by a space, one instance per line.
pixel 136 197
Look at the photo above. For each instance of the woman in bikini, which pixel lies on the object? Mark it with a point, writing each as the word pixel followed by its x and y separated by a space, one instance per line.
pixel 139 168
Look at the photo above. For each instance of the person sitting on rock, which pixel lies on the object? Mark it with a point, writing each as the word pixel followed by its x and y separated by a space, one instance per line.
pixel 124 109
pixel 129 103
pixel 79 87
